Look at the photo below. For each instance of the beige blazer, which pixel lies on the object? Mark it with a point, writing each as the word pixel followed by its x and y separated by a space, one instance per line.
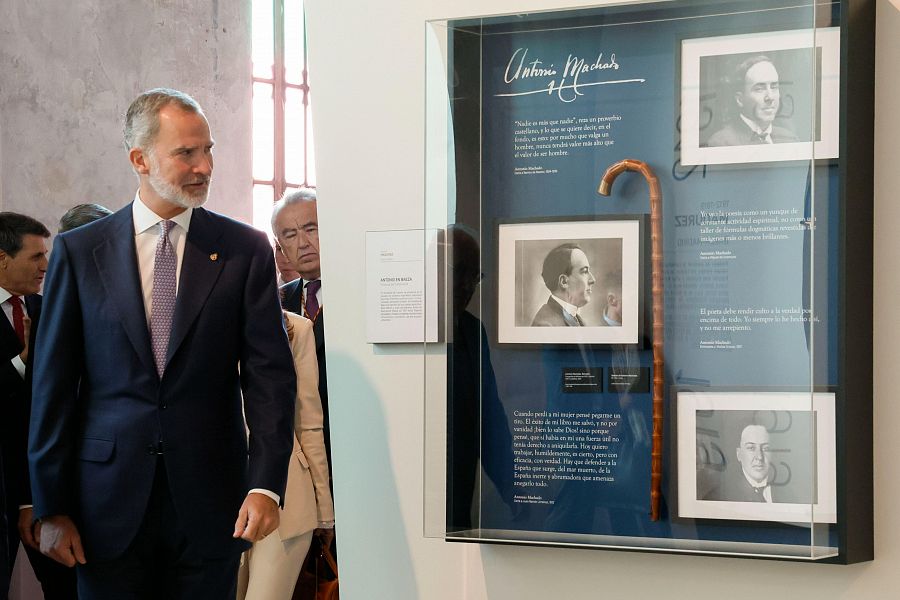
pixel 307 500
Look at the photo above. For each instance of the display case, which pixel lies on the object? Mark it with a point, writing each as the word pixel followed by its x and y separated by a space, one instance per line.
pixel 655 297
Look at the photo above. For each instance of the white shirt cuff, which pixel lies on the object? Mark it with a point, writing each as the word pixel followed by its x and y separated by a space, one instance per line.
pixel 271 495
pixel 18 365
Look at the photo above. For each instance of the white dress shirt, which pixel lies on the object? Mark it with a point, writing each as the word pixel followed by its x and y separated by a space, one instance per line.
pixel 146 236
pixel 16 361
pixel 571 309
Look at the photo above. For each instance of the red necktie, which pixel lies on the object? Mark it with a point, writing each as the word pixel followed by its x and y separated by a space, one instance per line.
pixel 18 318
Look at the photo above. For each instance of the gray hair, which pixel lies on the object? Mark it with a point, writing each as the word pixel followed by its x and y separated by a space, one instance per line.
pixel 142 118
pixel 82 214
pixel 293 196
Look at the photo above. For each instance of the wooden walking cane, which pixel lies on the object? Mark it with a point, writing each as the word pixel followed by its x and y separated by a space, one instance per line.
pixel 656 288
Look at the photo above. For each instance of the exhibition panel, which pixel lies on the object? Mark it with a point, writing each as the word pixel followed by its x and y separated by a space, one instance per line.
pixel 654 288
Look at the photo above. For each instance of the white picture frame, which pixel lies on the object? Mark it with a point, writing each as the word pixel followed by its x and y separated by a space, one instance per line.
pixel 811 80
pixel 802 430
pixel 614 244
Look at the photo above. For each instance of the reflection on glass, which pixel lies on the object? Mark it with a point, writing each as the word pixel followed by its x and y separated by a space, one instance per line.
pixel 310 148
pixel 263 198
pixel 262 28
pixel 263 131
pixel 294 34
pixel 476 454
pixel 293 136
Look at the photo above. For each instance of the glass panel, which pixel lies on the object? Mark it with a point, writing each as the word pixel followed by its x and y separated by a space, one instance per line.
pixel 294 132
pixel 637 353
pixel 310 147
pixel 263 199
pixel 294 41
pixel 263 132
pixel 263 43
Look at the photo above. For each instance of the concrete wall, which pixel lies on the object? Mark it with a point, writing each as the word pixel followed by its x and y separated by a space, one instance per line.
pixel 67 75
pixel 369 122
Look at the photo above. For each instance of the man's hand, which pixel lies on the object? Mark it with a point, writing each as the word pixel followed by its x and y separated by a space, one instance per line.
pixel 27 528
pixel 257 518
pixel 60 540
pixel 24 353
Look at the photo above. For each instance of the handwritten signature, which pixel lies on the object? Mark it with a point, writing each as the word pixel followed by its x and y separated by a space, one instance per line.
pixel 566 85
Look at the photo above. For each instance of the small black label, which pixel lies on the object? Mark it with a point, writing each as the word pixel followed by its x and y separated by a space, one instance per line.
pixel 633 380
pixel 580 380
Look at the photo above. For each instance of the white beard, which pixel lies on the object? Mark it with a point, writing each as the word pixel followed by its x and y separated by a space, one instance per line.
pixel 172 193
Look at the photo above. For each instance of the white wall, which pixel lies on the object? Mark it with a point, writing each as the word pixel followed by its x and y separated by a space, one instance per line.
pixel 367 62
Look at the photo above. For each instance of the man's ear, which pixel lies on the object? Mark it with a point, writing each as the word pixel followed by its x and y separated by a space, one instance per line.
pixel 563 281
pixel 739 98
pixel 139 161
pixel 4 259
pixel 612 299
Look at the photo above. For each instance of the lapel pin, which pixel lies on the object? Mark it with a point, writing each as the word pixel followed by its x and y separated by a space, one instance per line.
pixel 214 256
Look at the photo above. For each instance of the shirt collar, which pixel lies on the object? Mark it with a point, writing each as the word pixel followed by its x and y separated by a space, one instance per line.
pixel 4 295
pixel 755 128
pixel 569 308
pixel 610 322
pixel 144 218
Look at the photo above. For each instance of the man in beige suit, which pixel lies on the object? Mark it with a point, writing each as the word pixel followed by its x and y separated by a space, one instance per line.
pixel 269 569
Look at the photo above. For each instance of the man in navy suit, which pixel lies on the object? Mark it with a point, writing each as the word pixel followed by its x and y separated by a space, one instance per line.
pixel 161 330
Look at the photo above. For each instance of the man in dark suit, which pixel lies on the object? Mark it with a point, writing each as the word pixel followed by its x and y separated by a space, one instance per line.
pixel 156 321
pixel 757 96
pixel 567 274
pixel 295 223
pixel 750 483
pixel 23 262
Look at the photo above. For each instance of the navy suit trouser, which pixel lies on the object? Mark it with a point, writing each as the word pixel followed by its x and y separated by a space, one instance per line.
pixel 160 562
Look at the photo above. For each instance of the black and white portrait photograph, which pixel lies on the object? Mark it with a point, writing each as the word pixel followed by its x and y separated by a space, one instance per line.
pixel 569 282
pixel 760 97
pixel 756 456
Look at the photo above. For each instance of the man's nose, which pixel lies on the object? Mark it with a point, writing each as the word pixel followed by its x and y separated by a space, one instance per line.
pixel 204 165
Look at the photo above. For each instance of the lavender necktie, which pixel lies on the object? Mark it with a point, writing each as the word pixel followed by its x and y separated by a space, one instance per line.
pixel 162 299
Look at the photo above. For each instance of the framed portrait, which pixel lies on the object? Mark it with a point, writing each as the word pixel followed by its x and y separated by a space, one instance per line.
pixel 760 97
pixel 574 281
pixel 757 456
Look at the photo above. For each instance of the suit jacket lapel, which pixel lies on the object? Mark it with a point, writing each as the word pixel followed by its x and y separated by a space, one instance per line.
pixel 204 257
pixel 116 260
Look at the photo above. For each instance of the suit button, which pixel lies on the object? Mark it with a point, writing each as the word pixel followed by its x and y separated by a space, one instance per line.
pixel 164 406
